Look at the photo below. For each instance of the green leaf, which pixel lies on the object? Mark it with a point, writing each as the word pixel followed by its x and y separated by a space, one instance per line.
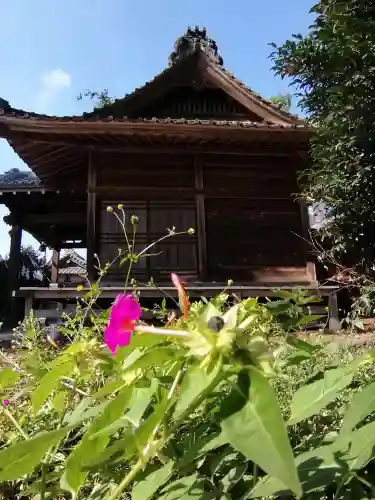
pixel 111 387
pixel 83 412
pixel 148 485
pixel 302 345
pixel 58 401
pixel 141 398
pixel 286 295
pixel 144 432
pixel 237 397
pixel 322 466
pixel 195 381
pixel 235 475
pixel 8 378
pixel 132 440
pixel 307 319
pixel 316 468
pixel 126 442
pixel 91 445
pixel 49 382
pixel 259 433
pixel 362 404
pixel 313 397
pixel 21 458
pixel 192 447
pixel 230 316
pixel 187 488
pixel 358 448
pixel 152 358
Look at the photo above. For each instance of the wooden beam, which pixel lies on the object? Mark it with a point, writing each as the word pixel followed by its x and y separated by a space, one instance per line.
pixel 201 217
pixel 286 150
pixel 310 264
pixel 15 256
pixel 14 271
pixel 55 218
pixel 189 192
pixel 47 157
pixel 242 95
pixel 196 291
pixel 91 216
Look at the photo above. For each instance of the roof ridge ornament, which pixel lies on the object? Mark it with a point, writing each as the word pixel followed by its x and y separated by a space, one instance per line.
pixel 195 40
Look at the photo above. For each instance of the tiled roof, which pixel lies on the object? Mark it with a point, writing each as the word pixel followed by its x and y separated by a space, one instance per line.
pixel 204 46
pixel 16 113
pixel 72 270
pixel 19 177
pixel 200 36
pixel 72 255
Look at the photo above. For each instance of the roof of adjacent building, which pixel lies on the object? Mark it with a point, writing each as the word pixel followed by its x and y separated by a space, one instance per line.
pixel 75 264
pixel 16 177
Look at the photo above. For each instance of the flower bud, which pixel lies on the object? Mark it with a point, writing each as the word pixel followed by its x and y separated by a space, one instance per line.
pixel 134 220
pixel 109 209
pixel 216 323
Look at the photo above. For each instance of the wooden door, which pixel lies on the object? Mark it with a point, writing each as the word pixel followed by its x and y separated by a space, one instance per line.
pixel 175 253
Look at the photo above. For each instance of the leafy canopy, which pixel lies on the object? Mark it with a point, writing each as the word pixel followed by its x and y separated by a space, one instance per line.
pixel 283 101
pixel 333 68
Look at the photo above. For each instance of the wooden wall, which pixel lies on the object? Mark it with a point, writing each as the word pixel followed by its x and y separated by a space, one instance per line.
pixel 254 228
pixel 251 230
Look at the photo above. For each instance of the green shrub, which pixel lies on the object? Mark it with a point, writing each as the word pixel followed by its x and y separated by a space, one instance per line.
pixel 225 402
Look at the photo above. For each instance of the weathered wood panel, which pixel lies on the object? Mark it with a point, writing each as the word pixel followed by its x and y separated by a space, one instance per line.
pixel 256 237
pixel 156 171
pixel 252 241
pixel 253 224
pixel 188 102
pixel 177 253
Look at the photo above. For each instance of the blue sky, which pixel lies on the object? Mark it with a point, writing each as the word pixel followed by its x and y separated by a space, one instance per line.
pixel 51 50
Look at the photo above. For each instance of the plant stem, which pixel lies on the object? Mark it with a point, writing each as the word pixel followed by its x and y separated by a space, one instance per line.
pixel 160 331
pixel 128 275
pixel 255 474
pixel 364 481
pixel 11 362
pixel 158 241
pixel 126 481
pixel 15 423
pixel 43 482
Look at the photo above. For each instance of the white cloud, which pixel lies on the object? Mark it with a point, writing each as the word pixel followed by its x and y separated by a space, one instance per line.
pixel 52 82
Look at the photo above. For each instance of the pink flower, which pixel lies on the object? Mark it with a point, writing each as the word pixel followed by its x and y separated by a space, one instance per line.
pixel 125 311
pixel 6 402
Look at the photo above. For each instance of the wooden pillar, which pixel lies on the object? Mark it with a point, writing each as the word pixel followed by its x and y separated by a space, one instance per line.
pixel 55 267
pixel 310 260
pixel 91 216
pixel 334 323
pixel 14 270
pixel 201 218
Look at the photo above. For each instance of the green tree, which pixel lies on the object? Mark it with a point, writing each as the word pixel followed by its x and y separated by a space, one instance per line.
pixel 101 98
pixel 282 101
pixel 333 68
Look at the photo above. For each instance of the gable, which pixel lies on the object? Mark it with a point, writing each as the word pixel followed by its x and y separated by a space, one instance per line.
pixel 189 102
pixel 196 85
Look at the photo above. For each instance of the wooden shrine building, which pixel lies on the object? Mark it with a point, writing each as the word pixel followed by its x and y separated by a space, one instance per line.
pixel 194 147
